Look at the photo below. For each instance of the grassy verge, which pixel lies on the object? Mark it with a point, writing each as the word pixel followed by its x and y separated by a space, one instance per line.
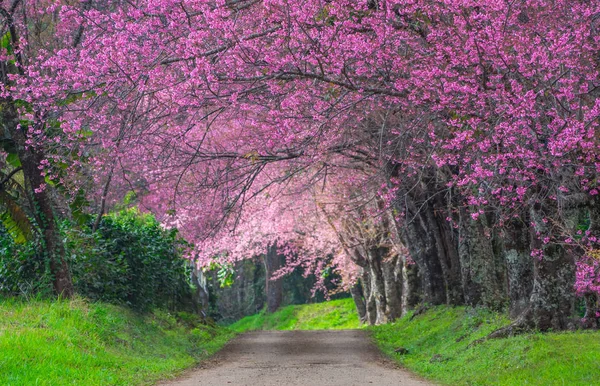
pixel 79 343
pixel 437 344
pixel 336 314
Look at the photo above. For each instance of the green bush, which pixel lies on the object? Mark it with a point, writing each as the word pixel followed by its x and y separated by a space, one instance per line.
pixel 23 268
pixel 130 260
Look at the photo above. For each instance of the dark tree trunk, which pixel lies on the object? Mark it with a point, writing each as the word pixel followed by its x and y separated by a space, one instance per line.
pixel 201 296
pixel 273 287
pixel 40 201
pixel 46 220
pixel 377 291
pixel 591 319
pixel 370 303
pixel 446 240
pixel 550 305
pixel 552 298
pixel 381 288
pixel 519 266
pixel 480 271
pixel 359 302
pixel 31 157
pixel 392 278
pixel 413 295
pixel 421 242
pixel 405 285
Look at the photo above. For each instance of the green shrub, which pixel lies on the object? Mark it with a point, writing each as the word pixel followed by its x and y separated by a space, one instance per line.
pixel 130 260
pixel 23 268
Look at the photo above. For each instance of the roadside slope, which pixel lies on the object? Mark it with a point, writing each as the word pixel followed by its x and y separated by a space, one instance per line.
pixel 438 345
pixel 76 342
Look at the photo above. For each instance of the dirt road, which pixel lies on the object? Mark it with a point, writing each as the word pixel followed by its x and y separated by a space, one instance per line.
pixel 314 358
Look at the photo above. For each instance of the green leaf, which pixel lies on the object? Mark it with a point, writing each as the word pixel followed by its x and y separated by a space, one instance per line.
pixel 15 220
pixel 13 160
pixel 6 42
pixel 49 181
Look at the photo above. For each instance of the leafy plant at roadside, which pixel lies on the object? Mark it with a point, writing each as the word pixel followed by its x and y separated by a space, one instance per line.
pixel 130 260
pixel 23 269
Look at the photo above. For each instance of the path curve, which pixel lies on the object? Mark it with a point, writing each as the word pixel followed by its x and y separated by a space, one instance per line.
pixel 294 358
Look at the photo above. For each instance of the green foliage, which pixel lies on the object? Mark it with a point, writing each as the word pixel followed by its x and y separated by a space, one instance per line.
pixel 15 219
pixel 225 273
pixel 438 344
pixel 80 343
pixel 23 269
pixel 130 260
pixel 6 43
pixel 333 315
pixel 13 160
pixel 78 207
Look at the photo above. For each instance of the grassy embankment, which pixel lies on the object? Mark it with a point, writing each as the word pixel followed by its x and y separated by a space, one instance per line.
pixel 80 343
pixel 336 315
pixel 438 344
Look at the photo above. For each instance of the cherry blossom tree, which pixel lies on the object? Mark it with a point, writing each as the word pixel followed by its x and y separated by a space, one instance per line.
pixel 460 135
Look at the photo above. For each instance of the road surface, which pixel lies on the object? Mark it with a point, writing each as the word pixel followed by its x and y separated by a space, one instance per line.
pixel 315 358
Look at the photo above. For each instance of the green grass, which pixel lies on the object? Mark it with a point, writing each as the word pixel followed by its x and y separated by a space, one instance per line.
pixel 438 340
pixel 336 314
pixel 80 343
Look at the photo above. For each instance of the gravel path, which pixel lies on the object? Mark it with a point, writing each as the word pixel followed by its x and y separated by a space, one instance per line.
pixel 315 358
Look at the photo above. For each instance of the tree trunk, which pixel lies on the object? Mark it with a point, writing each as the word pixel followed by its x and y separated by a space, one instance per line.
pixel 405 285
pixel 480 273
pixel 359 302
pixel 552 299
pixel 392 279
pixel 370 303
pixel 591 319
pixel 592 299
pixel 31 158
pixel 551 303
pixel 519 266
pixel 418 238
pixel 380 286
pixel 377 292
pixel 446 240
pixel 273 287
pixel 46 220
pixel 201 296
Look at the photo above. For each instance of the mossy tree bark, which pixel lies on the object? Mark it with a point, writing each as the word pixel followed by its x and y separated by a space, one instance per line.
pixel 31 158
pixel 481 274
